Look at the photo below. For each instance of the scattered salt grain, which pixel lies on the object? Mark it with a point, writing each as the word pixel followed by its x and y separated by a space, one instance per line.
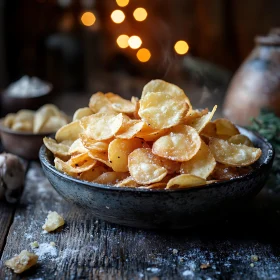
pixel 52 243
pixel 175 251
pixel 188 273
pixel 153 269
pixel 45 251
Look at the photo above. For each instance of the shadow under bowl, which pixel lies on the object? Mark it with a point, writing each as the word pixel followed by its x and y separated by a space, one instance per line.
pixel 23 144
pixel 162 209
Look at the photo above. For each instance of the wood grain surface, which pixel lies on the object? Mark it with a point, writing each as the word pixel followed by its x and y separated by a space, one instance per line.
pixel 87 248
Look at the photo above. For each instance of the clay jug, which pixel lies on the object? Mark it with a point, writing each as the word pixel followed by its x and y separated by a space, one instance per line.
pixel 256 84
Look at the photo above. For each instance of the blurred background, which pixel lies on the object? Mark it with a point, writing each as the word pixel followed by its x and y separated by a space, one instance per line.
pixel 83 46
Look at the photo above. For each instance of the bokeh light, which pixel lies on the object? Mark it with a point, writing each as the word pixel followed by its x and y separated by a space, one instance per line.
pixel 181 47
pixel 140 14
pixel 143 55
pixel 88 18
pixel 117 16
pixel 122 41
pixel 134 42
pixel 122 3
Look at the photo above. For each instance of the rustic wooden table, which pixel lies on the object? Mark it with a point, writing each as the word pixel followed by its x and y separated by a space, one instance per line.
pixel 87 248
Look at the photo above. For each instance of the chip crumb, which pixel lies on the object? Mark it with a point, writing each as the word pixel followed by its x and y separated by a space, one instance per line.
pixel 205 266
pixel 175 251
pixel 53 221
pixel 52 243
pixel 254 258
pixel 252 265
pixel 34 244
pixel 22 262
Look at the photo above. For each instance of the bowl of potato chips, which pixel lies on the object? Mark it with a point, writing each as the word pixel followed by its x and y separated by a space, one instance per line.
pixel 154 162
pixel 22 133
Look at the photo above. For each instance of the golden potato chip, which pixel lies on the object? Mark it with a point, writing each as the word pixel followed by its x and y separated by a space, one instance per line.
pixel 240 139
pixel 233 155
pixel 226 128
pixel 77 147
pixel 67 168
pixel 100 156
pixel 9 120
pixel 209 130
pixel 137 106
pixel 93 173
pixel 67 142
pixel 99 103
pixel 225 172
pixel 162 86
pixel 24 115
pixel 118 152
pixel 52 124
pixel 69 131
pixel 157 186
pixel 43 114
pixel 129 128
pixel 120 104
pixel 145 167
pixel 149 134
pixel 201 122
pixel 110 178
pixel 161 110
pixel 194 114
pixel 128 182
pixel 181 144
pixel 101 126
pixel 82 112
pixel 25 126
pixel 80 160
pixel 170 165
pixel 95 145
pixel 201 165
pixel 185 181
pixel 57 149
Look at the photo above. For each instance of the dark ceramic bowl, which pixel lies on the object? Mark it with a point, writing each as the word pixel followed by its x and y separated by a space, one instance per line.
pixel 23 144
pixel 12 104
pixel 167 209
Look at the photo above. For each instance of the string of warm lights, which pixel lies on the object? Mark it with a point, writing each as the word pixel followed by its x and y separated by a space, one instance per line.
pixel 181 47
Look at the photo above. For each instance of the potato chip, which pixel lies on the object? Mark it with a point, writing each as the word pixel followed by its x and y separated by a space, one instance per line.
pixel 92 144
pixel 118 152
pixel 99 103
pixel 226 128
pixel 181 144
pixel 100 156
pixel 43 114
pixel 25 126
pixel 77 147
pixel 129 128
pixel 120 104
pixel 233 155
pixel 156 186
pixel 185 181
pixel 128 182
pixel 9 120
pixel 136 101
pixel 24 115
pixel 110 178
pixel 67 168
pixel 80 160
pixel 194 114
pixel 57 149
pixel 240 139
pixel 101 126
pixel 149 134
pixel 201 122
pixel 162 86
pixel 93 173
pixel 209 130
pixel 201 165
pixel 52 124
pixel 170 165
pixel 82 112
pixel 145 167
pixel 161 110
pixel 225 172
pixel 69 131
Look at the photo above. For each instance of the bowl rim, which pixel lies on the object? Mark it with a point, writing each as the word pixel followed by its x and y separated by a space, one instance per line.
pixel 268 159
pixel 22 133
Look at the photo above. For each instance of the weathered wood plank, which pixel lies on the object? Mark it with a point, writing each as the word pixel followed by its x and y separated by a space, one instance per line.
pixel 6 217
pixel 91 249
